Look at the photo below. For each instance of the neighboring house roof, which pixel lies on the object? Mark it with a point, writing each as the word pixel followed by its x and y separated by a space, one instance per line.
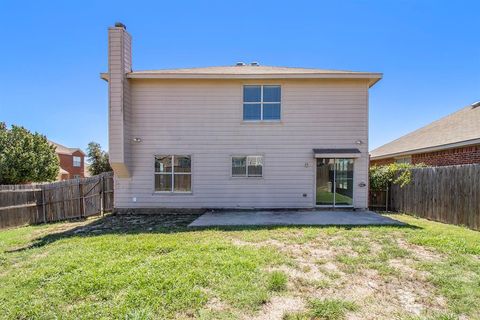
pixel 455 130
pixel 61 149
pixel 250 72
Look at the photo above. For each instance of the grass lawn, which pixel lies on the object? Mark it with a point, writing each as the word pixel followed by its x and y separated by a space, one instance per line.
pixel 156 268
pixel 326 197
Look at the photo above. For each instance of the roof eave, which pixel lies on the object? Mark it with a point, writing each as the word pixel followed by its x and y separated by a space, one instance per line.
pixel 373 81
pixel 374 77
pixel 428 149
pixel 104 76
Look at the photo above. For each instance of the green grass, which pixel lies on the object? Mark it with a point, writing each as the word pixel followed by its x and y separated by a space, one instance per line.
pixel 457 276
pixel 328 309
pixel 138 275
pixel 277 281
pixel 174 272
pixel 326 197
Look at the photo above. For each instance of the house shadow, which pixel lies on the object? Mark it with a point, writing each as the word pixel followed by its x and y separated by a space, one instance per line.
pixel 162 224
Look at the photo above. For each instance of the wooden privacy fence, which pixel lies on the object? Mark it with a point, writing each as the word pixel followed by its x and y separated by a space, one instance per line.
pixel 69 199
pixel 448 194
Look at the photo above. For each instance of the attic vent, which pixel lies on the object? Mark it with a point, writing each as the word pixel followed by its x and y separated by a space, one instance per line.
pixel 475 104
pixel 255 63
pixel 240 64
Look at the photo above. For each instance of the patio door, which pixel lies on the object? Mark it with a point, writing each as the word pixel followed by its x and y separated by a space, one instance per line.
pixel 334 182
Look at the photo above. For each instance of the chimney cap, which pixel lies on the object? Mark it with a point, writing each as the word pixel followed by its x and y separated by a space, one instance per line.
pixel 240 64
pixel 120 25
pixel 254 63
pixel 475 104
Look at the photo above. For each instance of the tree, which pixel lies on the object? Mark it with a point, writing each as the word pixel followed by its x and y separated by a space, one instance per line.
pixel 26 157
pixel 98 159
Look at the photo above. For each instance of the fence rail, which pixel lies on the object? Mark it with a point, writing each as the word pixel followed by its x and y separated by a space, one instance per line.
pixel 63 200
pixel 449 194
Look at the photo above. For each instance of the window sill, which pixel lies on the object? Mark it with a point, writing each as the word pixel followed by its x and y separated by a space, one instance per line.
pixel 251 178
pixel 169 193
pixel 258 122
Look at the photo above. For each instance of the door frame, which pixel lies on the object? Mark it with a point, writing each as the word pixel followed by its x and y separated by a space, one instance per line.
pixel 315 205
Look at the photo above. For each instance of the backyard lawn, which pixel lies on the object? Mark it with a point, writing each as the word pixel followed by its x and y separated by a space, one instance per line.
pixel 155 268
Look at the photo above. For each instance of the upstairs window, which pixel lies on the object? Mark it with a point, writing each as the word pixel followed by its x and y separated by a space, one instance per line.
pixel 173 173
pixel 261 103
pixel 247 166
pixel 77 161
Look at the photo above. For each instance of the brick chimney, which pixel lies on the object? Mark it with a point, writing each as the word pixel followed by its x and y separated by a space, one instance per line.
pixel 119 64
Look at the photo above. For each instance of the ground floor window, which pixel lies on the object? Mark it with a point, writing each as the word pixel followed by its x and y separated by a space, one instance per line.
pixel 173 173
pixel 247 166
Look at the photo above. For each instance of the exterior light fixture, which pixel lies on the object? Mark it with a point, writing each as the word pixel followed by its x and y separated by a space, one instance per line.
pixel 137 140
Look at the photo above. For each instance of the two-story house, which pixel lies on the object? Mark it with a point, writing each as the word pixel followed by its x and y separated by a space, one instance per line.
pixel 241 136
pixel 72 162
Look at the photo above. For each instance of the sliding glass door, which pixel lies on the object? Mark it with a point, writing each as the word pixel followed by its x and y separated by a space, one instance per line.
pixel 334 182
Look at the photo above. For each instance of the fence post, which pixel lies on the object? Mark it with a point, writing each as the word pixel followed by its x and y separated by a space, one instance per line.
pixel 102 187
pixel 43 204
pixel 386 200
pixel 81 198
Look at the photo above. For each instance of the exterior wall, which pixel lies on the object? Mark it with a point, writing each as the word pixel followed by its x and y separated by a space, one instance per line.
pixel 66 162
pixel 381 162
pixel 447 157
pixel 203 118
pixel 465 155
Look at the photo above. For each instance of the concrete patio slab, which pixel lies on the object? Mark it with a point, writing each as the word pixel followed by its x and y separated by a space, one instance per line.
pixel 293 217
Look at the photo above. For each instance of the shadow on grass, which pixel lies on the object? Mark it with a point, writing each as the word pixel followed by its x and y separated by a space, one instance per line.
pixel 164 224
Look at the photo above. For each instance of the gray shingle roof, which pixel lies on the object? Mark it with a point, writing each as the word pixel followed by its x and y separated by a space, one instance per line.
pixel 247 69
pixel 462 126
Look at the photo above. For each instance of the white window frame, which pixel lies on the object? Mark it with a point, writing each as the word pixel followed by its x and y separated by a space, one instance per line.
pixel 79 162
pixel 261 102
pixel 173 173
pixel 246 166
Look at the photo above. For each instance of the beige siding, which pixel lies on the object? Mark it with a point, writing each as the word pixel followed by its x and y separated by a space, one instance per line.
pixel 203 118
pixel 119 63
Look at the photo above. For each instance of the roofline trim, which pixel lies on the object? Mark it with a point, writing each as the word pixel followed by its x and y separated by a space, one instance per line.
pixel 428 149
pixel 323 75
pixel 374 77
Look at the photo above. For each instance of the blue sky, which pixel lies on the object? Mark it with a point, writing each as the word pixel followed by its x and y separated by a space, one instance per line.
pixel 53 52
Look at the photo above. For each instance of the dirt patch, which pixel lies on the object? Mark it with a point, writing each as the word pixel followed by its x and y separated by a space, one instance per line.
pixel 278 306
pixel 419 252
pixel 315 273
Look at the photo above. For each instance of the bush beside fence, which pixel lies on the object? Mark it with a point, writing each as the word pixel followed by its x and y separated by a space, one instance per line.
pixel 449 194
pixel 62 200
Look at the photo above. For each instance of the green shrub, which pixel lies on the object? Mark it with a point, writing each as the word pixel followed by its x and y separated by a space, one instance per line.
pixel 395 173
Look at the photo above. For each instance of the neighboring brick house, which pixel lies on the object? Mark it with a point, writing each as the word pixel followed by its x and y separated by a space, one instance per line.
pixel 72 162
pixel 452 140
